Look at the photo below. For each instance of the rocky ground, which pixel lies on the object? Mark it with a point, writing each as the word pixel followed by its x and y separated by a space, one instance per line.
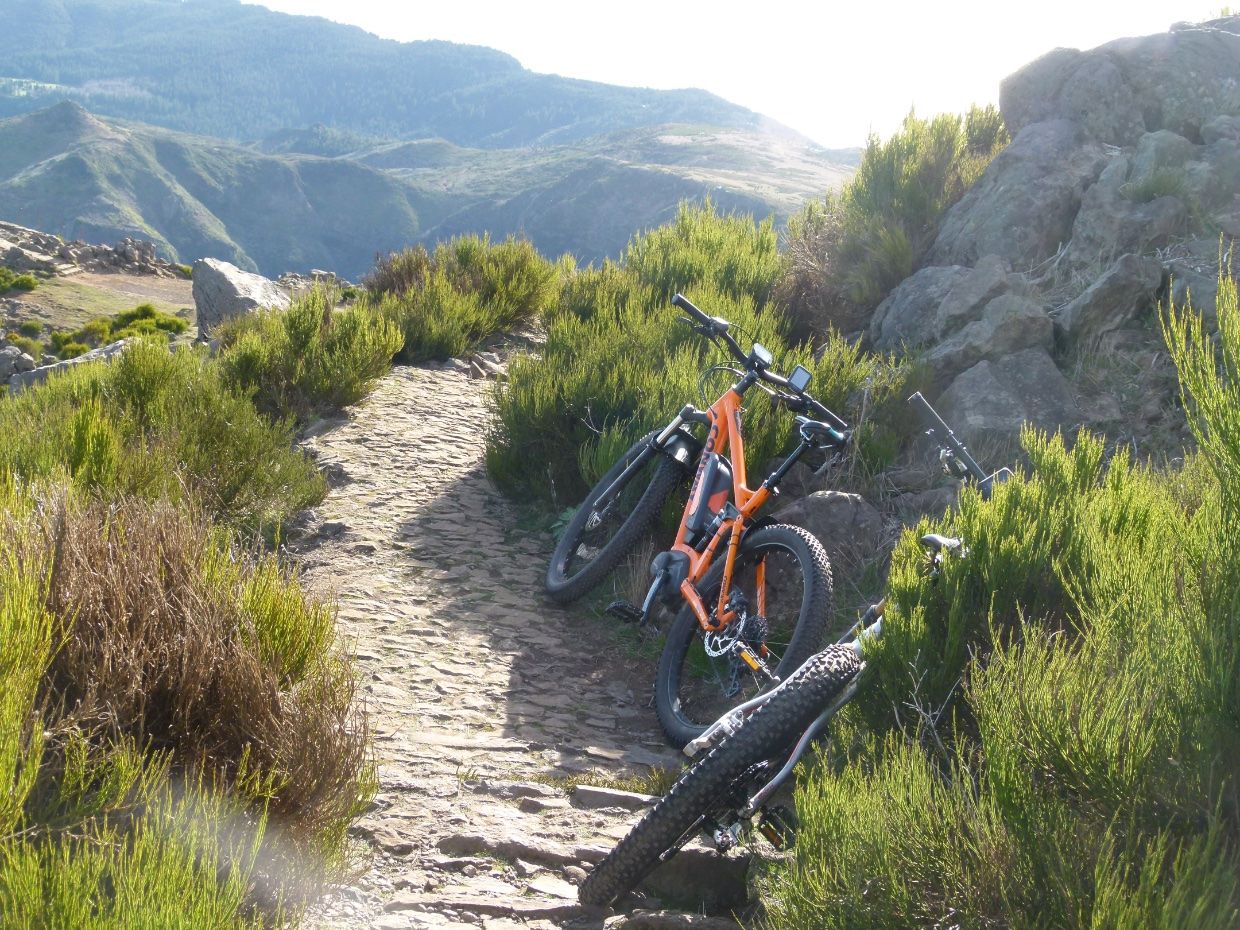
pixel 485 700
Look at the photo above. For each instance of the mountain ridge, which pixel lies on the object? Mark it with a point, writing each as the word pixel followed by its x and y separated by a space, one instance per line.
pixel 242 72
pixel 82 176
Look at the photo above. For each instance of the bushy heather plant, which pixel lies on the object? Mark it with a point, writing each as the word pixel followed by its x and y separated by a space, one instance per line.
pixel 846 251
pixel 160 425
pixel 1052 736
pixel 616 363
pixel 189 747
pixel 10 280
pixel 309 358
pixel 448 301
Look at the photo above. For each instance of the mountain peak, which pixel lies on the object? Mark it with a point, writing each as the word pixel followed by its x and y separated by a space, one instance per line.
pixel 68 118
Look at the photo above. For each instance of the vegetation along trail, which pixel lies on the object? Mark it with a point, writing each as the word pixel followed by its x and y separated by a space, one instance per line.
pixel 479 692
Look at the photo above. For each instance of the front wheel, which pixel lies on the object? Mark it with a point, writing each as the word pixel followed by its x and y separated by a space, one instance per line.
pixel 602 532
pixel 781 587
pixel 720 781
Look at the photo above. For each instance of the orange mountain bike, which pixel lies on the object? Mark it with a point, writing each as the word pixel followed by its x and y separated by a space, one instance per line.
pixel 753 596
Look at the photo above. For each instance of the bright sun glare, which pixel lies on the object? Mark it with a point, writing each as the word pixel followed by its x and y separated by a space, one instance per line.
pixel 835 72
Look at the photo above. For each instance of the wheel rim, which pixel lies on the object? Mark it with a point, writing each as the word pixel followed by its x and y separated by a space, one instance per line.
pixel 708 686
pixel 602 524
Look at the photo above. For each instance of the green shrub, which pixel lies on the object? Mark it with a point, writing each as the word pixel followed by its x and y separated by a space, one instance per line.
pixel 1052 734
pixel 143 320
pixel 160 425
pixel 31 347
pixel 12 281
pixel 72 349
pixel 731 255
pixel 847 251
pixel 616 363
pixel 307 358
pixel 448 302
pixel 32 329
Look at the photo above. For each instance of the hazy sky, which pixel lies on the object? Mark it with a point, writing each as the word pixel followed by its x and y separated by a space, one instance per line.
pixel 833 71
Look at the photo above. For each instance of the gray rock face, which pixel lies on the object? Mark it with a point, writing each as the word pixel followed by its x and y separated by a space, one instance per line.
pixel 1114 219
pixel 1008 324
pixel 223 291
pixel 1088 88
pixel 966 301
pixel 1179 80
pixel 846 524
pixel 24 379
pixel 906 317
pixel 1022 207
pixel 1125 290
pixel 991 400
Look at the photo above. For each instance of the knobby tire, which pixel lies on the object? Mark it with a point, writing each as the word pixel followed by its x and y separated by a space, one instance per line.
pixel 770 732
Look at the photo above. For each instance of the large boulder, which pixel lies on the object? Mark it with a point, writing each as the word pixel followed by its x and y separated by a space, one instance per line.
pixel 991 401
pixel 1125 290
pixel 24 379
pixel 1179 80
pixel 1088 88
pixel 1009 323
pixel 906 317
pixel 223 291
pixel 847 525
pixel 1023 205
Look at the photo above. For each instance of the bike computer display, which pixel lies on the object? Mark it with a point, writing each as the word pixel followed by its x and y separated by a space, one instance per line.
pixel 799 379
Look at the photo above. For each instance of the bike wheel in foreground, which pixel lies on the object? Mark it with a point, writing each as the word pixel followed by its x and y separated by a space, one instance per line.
pixel 695 684
pixel 720 780
pixel 601 532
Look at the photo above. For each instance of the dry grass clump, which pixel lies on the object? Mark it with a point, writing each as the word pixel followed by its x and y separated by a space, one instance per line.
pixel 172 641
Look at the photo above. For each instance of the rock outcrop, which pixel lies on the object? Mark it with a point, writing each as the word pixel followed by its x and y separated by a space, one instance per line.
pixel 25 249
pixel 1123 170
pixel 223 291
pixel 24 378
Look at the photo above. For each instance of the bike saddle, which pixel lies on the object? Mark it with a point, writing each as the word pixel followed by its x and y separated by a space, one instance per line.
pixel 937 543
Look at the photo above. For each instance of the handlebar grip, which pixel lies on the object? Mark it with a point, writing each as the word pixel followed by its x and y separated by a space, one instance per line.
pixel 683 302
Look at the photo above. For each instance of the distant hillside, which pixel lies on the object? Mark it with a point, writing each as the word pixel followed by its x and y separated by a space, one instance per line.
pixel 67 171
pixel 242 72
pixel 591 197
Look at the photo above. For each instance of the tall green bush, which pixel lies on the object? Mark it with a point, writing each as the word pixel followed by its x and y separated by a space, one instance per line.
pixel 308 358
pixel 448 301
pixel 160 425
pixel 616 362
pixel 847 251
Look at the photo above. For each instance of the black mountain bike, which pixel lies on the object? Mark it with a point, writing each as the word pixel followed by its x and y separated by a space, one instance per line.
pixel 747 754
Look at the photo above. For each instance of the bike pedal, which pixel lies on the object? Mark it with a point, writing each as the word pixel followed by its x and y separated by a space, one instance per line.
pixel 624 611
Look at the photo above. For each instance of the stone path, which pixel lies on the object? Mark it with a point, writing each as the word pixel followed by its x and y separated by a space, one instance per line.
pixel 479 690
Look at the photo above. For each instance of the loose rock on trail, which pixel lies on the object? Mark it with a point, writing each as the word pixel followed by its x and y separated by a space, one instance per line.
pixel 479 691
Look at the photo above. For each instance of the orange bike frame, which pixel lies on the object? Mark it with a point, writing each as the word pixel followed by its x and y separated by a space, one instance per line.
pixel 725 434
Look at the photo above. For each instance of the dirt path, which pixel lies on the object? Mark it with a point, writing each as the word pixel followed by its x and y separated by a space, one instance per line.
pixel 479 690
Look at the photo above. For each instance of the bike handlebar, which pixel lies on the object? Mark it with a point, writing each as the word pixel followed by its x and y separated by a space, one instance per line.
pixel 798 401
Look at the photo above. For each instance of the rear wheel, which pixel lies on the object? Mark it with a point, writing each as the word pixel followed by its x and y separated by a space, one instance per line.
pixel 602 532
pixel 721 780
pixel 700 675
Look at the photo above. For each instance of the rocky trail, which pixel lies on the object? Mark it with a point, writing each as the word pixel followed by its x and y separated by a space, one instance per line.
pixel 484 699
